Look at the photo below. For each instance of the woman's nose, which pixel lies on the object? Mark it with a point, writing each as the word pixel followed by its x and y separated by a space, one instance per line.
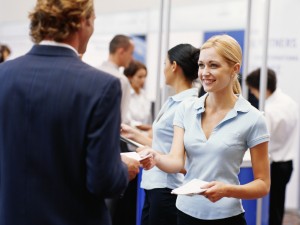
pixel 203 71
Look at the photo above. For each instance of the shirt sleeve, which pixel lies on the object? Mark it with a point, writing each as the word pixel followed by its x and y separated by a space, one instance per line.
pixel 179 115
pixel 258 133
pixel 125 85
pixel 271 122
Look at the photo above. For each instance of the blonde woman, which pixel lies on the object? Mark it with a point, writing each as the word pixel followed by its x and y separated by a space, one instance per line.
pixel 213 132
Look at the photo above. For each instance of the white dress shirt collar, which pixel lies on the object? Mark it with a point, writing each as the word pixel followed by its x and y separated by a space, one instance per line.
pixel 54 43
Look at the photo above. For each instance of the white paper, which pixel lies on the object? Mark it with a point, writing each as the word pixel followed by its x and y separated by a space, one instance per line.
pixel 191 188
pixel 134 155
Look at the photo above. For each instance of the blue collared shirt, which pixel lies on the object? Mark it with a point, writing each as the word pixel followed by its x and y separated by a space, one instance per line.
pixel 162 141
pixel 219 157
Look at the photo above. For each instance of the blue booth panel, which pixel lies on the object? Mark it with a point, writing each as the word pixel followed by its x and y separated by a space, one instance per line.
pixel 140 199
pixel 250 206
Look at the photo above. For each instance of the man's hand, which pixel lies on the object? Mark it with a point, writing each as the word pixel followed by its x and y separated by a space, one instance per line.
pixel 133 166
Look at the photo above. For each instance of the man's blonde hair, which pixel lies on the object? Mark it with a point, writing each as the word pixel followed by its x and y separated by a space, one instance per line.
pixel 57 19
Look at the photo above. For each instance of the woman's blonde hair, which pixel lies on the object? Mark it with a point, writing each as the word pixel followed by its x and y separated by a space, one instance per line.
pixel 57 19
pixel 236 87
pixel 229 49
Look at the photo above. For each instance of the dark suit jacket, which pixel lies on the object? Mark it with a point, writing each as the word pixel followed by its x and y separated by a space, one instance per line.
pixel 59 140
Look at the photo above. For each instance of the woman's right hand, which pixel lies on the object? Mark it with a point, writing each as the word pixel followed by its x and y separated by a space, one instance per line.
pixel 148 156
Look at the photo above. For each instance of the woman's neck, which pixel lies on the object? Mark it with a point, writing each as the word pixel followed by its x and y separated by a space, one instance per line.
pixel 181 86
pixel 220 101
pixel 136 90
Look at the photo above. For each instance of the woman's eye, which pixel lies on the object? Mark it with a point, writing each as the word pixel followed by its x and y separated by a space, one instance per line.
pixel 201 65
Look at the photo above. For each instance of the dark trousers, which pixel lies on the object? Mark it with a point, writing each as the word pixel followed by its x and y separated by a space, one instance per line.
pixel 184 219
pixel 159 207
pixel 280 175
pixel 123 208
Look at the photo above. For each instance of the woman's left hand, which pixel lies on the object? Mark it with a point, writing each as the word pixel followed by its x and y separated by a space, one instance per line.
pixel 215 190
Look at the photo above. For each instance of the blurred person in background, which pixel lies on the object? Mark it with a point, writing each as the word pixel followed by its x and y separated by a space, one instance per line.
pixel 139 113
pixel 282 116
pixel 121 48
pixel 4 52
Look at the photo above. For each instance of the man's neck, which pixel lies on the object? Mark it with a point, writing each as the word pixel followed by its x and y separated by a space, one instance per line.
pixel 268 94
pixel 114 59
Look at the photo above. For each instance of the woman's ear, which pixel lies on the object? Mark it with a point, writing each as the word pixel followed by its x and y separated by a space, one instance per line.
pixel 174 66
pixel 237 68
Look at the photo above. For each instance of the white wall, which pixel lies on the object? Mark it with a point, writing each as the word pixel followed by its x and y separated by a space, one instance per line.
pixel 188 22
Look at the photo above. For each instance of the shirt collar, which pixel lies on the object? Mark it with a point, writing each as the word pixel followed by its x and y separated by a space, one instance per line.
pixel 274 95
pixel 54 43
pixel 110 64
pixel 241 105
pixel 192 92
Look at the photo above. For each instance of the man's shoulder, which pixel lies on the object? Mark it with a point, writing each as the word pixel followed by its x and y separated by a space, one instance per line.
pixel 113 69
pixel 110 68
pixel 282 100
pixel 109 71
pixel 97 74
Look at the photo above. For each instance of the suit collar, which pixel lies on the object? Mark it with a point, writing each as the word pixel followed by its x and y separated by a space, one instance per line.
pixel 54 43
pixel 48 50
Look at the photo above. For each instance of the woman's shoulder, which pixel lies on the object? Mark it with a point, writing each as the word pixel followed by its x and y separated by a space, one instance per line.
pixel 251 113
pixel 192 103
pixel 189 101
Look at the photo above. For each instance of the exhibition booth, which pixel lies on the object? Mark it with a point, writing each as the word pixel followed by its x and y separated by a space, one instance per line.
pixel 267 34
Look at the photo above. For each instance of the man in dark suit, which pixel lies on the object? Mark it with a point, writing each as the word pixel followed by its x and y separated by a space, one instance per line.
pixel 59 126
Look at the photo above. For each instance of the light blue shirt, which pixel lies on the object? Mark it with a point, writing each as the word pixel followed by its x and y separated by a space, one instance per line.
pixel 163 133
pixel 219 157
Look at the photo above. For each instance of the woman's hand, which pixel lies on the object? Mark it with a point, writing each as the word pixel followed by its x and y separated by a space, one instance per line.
pixel 148 156
pixel 135 135
pixel 128 131
pixel 215 190
pixel 144 127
